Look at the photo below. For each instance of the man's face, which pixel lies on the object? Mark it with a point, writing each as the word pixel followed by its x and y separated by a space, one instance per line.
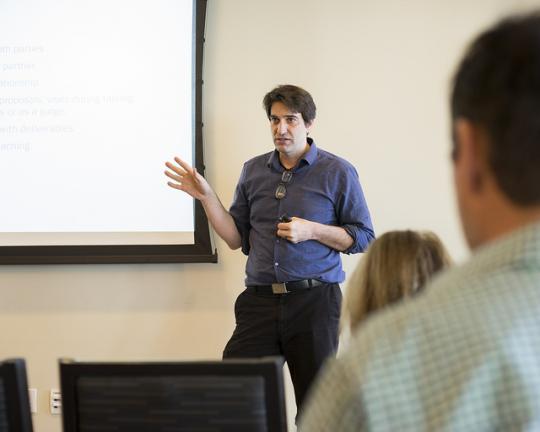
pixel 289 131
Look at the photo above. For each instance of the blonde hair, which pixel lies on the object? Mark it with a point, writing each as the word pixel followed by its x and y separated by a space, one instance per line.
pixel 396 265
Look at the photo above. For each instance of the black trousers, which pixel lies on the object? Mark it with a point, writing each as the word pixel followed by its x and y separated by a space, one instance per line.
pixel 302 326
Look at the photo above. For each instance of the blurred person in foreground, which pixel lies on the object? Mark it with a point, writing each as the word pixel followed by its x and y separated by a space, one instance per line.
pixel 465 355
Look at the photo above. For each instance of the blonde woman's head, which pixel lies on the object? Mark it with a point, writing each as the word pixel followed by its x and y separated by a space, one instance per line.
pixel 397 265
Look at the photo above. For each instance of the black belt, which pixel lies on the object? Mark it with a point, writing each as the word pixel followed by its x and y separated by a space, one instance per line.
pixel 285 287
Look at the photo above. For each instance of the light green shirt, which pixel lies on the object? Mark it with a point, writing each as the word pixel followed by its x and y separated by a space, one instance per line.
pixel 463 356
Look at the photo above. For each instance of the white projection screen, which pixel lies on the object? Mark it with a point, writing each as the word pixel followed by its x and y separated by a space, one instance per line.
pixel 94 98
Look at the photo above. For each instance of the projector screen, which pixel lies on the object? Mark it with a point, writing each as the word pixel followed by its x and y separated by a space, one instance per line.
pixel 94 98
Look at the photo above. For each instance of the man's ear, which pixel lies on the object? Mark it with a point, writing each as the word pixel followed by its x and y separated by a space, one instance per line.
pixel 471 153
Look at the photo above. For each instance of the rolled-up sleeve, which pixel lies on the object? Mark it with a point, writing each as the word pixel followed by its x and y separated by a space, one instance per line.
pixel 352 211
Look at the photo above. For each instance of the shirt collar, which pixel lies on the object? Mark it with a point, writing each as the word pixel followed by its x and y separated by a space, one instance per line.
pixel 309 157
pixel 520 247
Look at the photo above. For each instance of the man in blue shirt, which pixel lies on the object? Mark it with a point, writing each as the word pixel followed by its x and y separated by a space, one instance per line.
pixel 294 210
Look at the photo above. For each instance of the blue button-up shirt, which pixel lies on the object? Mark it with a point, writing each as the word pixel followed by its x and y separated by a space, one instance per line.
pixel 324 188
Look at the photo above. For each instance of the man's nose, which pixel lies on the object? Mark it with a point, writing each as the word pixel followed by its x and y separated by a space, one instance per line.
pixel 282 127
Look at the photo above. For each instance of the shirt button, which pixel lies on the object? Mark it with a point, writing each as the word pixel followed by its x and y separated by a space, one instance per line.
pixel 276 264
pixel 277 241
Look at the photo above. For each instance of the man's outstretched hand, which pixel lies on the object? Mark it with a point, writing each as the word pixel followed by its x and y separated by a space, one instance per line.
pixel 187 179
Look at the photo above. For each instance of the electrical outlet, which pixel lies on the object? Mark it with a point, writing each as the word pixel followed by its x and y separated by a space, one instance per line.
pixel 55 401
pixel 32 397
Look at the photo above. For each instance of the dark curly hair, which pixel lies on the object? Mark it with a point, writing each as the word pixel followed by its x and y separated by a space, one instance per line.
pixel 497 87
pixel 293 97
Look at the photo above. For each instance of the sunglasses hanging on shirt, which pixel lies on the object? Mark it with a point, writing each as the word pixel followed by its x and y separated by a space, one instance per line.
pixel 281 190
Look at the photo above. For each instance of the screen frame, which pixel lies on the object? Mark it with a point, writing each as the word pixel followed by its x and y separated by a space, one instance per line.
pixel 13 374
pixel 202 249
pixel 269 368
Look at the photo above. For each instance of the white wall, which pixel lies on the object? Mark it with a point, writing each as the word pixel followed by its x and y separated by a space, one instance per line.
pixel 379 71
